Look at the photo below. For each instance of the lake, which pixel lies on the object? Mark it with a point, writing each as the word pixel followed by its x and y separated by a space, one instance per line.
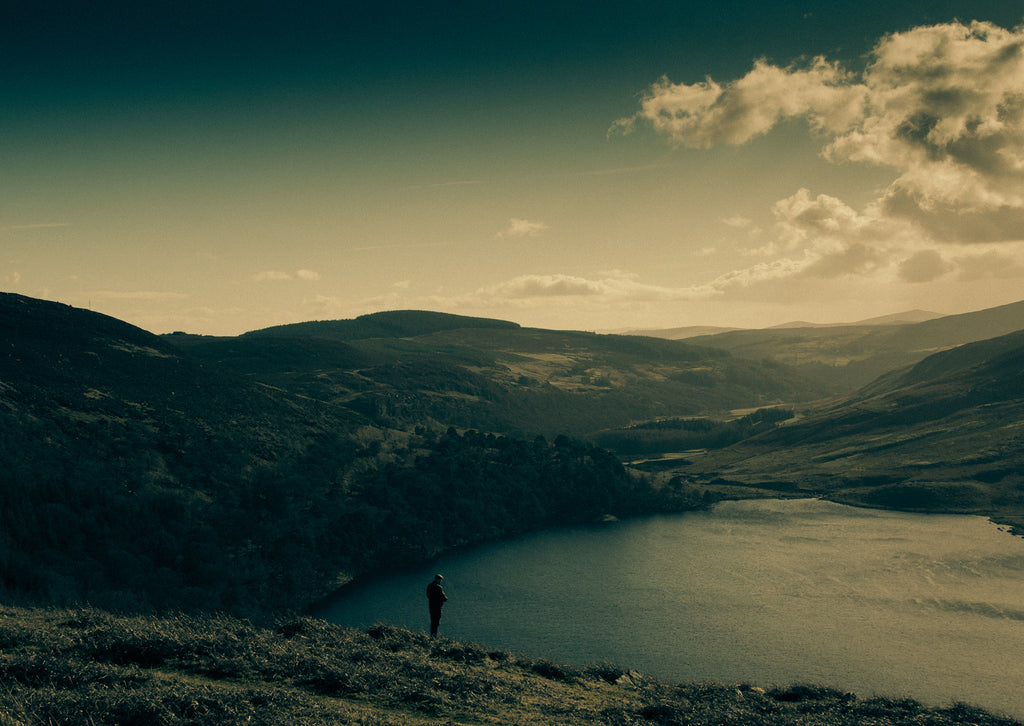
pixel 765 592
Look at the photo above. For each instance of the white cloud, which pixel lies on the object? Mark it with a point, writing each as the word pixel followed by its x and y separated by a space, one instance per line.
pixel 942 106
pixel 279 276
pixel 536 289
pixel 989 264
pixel 272 275
pixel 521 228
pixel 701 115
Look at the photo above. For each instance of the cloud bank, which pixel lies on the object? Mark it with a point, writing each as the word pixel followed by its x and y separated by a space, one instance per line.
pixel 942 106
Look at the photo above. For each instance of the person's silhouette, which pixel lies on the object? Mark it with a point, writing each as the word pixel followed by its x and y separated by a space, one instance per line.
pixel 436 598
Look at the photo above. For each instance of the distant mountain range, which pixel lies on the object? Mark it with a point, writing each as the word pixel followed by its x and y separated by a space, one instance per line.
pixel 198 471
pixel 850 356
pixel 946 434
pixel 693 331
pixel 408 368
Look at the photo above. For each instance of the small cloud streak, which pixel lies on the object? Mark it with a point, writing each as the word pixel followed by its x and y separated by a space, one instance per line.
pixel 611 286
pixel 39 225
pixel 941 106
pixel 279 276
pixel 518 228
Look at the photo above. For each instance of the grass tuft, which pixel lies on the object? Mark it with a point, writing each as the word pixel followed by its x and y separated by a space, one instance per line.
pixel 88 668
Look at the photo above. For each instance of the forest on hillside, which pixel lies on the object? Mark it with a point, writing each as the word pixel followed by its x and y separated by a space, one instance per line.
pixel 288 532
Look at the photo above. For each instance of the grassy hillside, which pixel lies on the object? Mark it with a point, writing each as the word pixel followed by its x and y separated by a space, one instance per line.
pixel 944 435
pixel 852 356
pixel 501 378
pixel 392 324
pixel 87 667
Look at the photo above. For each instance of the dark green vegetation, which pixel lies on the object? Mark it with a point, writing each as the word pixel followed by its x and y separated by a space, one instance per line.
pixel 683 434
pixel 86 667
pixel 137 475
pixel 259 472
pixel 407 369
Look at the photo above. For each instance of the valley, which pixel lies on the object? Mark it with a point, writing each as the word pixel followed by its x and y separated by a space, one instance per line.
pixel 198 470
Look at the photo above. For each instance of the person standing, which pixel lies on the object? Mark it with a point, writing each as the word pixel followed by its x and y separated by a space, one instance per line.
pixel 436 598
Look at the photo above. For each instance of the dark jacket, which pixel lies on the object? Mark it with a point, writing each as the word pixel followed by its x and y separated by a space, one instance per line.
pixel 435 594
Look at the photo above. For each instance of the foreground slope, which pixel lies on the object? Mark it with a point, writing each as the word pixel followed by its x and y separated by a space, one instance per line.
pixel 89 667
pixel 944 435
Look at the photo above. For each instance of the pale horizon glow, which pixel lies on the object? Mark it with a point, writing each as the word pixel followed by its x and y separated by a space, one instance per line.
pixel 744 167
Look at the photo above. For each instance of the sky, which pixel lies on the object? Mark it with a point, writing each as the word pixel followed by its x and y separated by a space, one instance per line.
pixel 217 167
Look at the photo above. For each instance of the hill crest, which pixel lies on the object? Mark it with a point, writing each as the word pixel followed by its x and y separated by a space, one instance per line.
pixel 388 324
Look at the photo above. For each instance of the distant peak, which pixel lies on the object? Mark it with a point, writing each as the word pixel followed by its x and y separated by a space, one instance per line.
pixel 907 317
pixel 386 324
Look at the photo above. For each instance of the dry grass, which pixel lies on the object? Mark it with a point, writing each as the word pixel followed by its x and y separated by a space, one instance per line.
pixel 88 667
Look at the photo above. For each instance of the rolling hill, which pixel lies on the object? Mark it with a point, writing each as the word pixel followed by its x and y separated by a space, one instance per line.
pixel 404 369
pixel 250 473
pixel 946 434
pixel 136 474
pixel 693 331
pixel 853 355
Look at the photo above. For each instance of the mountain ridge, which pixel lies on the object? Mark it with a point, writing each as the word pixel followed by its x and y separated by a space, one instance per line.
pixel 946 434
pixel 388 324
pixel 203 469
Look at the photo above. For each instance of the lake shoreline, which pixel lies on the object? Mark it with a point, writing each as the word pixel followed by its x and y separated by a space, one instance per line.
pixel 764 591
pixel 1014 525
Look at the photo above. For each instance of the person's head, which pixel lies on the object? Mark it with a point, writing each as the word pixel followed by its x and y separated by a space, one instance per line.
pixel 438 578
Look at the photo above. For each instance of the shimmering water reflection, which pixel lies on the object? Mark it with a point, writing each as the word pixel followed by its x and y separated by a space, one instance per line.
pixel 765 592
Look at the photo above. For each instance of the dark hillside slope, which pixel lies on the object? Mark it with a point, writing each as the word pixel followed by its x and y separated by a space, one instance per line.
pixel 126 465
pixel 853 356
pixel 135 475
pixel 944 435
pixel 983 374
pixel 508 379
pixel 392 324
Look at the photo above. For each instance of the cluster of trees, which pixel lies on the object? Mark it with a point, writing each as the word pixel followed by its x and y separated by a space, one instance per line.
pixel 277 537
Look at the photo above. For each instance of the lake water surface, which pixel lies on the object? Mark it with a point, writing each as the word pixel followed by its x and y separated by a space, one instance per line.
pixel 766 592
